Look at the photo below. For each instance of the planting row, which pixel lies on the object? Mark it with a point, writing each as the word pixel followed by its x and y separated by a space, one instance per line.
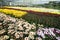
pixel 15 13
pixel 52 11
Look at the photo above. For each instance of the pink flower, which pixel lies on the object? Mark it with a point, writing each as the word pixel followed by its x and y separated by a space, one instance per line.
pixel 58 38
pixel 58 31
pixel 40 33
pixel 51 32
pixel 46 31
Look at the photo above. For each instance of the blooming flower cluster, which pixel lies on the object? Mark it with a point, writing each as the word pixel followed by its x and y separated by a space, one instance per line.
pixel 19 29
pixel 13 12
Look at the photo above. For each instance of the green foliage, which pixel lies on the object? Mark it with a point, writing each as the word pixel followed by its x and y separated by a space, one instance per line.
pixel 53 4
pixel 47 21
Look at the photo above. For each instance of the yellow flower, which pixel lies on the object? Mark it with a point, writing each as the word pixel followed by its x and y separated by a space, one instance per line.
pixel 16 13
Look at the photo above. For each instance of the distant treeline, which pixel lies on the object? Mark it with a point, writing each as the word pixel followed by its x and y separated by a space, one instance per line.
pixel 51 4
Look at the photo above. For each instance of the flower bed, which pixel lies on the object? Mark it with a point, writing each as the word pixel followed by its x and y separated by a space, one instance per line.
pixel 31 17
pixel 15 13
pixel 52 11
pixel 32 26
pixel 19 29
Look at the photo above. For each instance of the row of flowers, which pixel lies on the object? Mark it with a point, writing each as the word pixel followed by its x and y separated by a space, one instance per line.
pixel 53 11
pixel 15 13
pixel 19 29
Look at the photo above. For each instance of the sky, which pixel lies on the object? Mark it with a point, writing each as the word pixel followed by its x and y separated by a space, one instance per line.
pixel 31 1
pixel 43 1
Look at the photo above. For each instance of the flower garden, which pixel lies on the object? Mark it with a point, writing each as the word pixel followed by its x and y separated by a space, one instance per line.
pixel 52 11
pixel 23 25
pixel 13 12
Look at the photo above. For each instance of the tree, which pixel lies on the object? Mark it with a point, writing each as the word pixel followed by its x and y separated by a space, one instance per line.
pixel 1 3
